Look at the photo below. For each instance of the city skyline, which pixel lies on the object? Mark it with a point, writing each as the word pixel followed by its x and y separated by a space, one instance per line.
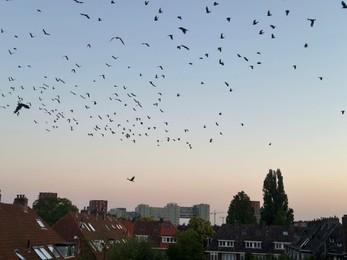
pixel 197 100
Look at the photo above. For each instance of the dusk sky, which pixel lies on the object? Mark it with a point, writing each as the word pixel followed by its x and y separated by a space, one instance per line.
pixel 196 117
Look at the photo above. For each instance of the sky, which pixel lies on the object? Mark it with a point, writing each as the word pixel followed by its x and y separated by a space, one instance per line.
pixel 196 117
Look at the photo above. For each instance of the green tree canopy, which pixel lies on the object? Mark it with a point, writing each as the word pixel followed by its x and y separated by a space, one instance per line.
pixel 202 227
pixel 188 246
pixel 51 209
pixel 135 250
pixel 275 210
pixel 241 210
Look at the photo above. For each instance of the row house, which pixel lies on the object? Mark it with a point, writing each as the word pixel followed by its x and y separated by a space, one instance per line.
pixel 159 232
pixel 235 241
pixel 323 238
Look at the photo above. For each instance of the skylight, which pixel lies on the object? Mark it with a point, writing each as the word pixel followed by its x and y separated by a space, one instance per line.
pixel 39 221
pixel 19 255
pixel 53 251
pixel 42 253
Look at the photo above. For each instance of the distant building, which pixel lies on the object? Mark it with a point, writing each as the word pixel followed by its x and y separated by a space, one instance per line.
pixel 173 212
pixel 123 213
pixel 43 195
pixel 256 206
pixel 97 206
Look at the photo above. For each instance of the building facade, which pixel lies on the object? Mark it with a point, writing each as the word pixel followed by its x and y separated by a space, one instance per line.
pixel 174 212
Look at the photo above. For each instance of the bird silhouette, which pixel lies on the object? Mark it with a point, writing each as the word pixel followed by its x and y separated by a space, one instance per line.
pixel 20 106
pixel 132 179
pixel 118 38
pixel 184 30
pixel 344 5
pixel 311 21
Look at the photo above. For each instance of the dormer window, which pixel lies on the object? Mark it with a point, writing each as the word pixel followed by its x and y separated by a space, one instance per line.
pixel 225 243
pixel 253 244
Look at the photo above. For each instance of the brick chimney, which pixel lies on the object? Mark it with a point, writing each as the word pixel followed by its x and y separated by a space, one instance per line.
pixel 22 201
pixel 344 228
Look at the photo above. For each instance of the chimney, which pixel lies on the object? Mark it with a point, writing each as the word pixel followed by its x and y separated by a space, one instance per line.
pixel 344 230
pixel 22 201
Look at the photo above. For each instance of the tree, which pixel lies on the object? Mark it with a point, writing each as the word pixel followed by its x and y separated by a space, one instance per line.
pixel 202 227
pixel 51 209
pixel 135 250
pixel 240 210
pixel 188 246
pixel 275 210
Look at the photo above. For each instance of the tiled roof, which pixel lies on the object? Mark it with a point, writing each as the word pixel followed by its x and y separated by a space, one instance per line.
pixel 90 231
pixel 321 235
pixel 20 230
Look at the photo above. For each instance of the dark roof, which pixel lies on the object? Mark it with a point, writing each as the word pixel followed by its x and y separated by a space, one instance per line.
pixel 321 235
pixel 91 229
pixel 23 230
pixel 267 235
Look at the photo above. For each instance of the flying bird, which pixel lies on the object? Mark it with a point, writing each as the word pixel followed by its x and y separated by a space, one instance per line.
pixel 311 21
pixel 184 30
pixel 20 106
pixel 344 5
pixel 85 15
pixel 131 179
pixel 118 38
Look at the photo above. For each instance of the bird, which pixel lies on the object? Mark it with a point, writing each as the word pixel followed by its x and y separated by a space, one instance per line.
pixel 20 106
pixel 45 32
pixel 85 15
pixel 118 38
pixel 342 112
pixel 207 10
pixel 131 179
pixel 184 30
pixel 344 5
pixel 311 21
pixel 269 13
pixel 287 12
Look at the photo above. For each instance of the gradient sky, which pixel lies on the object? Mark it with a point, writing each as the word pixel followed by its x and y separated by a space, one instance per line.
pixel 156 133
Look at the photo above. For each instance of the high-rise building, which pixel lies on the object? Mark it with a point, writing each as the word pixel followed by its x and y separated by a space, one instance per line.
pixel 43 195
pixel 174 212
pixel 97 206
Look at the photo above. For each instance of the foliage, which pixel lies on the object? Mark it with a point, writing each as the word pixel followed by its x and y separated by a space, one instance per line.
pixel 188 246
pixel 135 250
pixel 51 209
pixel 275 209
pixel 249 256
pixel 241 210
pixel 202 227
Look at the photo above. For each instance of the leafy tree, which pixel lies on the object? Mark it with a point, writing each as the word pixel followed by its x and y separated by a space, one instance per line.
pixel 135 250
pixel 188 246
pixel 241 210
pixel 275 210
pixel 202 227
pixel 51 209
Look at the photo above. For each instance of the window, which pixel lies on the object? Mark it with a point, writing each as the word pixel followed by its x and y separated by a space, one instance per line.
pixel 91 227
pixel 253 244
pixel 168 239
pixel 214 256
pixel 226 243
pixel 228 257
pixel 39 221
pixel 67 250
pixel 19 255
pixel 141 237
pixel 53 251
pixel 42 253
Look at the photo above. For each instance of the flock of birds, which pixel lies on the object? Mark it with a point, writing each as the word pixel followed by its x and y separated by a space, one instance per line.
pixel 129 110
